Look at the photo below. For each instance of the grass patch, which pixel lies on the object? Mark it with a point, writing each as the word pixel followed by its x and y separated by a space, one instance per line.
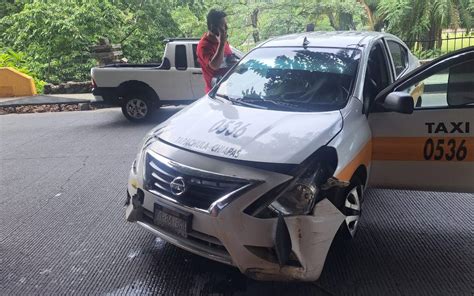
pixel 455 41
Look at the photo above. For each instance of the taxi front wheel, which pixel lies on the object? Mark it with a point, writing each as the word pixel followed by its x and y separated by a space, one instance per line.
pixel 349 201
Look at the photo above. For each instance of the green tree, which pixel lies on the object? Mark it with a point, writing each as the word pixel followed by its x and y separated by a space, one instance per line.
pixel 17 60
pixel 55 38
pixel 427 18
pixel 8 7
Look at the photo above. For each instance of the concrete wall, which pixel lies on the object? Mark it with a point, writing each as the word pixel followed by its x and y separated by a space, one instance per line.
pixel 15 84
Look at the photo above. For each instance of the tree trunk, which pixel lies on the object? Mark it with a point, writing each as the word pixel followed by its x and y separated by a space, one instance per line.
pixel 346 22
pixel 433 34
pixel 370 15
pixel 438 38
pixel 254 19
pixel 332 20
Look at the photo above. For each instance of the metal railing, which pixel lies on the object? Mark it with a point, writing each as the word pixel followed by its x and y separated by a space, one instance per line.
pixel 442 45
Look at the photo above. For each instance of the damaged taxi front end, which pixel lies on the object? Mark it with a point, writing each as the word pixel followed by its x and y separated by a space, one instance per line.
pixel 246 175
pixel 271 220
pixel 241 228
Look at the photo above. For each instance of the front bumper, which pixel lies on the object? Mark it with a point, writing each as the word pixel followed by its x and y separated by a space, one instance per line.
pixel 235 238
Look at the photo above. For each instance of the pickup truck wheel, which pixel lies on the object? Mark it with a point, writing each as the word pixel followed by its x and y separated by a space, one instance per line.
pixel 136 108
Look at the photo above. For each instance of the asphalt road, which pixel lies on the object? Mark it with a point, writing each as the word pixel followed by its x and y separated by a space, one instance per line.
pixel 62 228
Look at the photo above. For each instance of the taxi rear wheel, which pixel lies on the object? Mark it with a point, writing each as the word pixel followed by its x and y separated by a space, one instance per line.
pixel 349 201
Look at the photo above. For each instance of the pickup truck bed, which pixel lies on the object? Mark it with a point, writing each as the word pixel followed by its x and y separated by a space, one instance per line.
pixel 140 89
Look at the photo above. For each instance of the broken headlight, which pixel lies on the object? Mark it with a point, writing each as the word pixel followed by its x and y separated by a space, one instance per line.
pixel 312 181
pixel 301 194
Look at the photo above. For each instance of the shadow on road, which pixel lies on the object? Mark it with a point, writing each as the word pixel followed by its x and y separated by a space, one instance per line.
pixel 117 120
pixel 404 257
pixel 183 273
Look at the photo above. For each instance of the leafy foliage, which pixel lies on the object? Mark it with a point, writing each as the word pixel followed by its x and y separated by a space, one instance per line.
pixel 16 60
pixel 55 37
pixel 427 18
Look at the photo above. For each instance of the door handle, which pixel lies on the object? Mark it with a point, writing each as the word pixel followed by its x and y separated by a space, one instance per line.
pixel 197 73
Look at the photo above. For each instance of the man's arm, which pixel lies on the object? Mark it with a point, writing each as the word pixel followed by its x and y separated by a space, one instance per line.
pixel 218 57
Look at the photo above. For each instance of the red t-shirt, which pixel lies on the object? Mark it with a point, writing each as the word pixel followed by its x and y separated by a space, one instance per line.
pixel 206 49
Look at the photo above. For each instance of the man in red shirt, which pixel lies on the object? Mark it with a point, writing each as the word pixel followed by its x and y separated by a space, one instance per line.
pixel 213 47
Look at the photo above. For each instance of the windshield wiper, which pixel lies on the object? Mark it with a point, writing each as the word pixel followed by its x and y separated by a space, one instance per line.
pixel 281 104
pixel 239 102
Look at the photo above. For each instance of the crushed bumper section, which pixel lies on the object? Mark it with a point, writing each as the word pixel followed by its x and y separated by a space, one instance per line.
pixel 197 243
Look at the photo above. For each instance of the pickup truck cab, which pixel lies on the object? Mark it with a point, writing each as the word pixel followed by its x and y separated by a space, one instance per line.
pixel 271 165
pixel 142 89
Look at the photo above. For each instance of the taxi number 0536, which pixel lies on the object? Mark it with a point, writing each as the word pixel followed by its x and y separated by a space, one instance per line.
pixel 230 128
pixel 448 149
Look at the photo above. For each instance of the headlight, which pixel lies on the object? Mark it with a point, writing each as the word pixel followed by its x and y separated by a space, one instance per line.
pixel 149 138
pixel 135 166
pixel 301 194
pixel 311 183
pixel 294 197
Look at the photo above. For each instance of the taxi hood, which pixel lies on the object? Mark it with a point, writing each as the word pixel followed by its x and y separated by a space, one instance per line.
pixel 225 130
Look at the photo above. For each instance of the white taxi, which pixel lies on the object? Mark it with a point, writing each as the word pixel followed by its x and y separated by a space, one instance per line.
pixel 264 171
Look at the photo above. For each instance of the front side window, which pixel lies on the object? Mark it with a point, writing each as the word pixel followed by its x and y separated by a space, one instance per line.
pixel 298 79
pixel 377 74
pixel 450 87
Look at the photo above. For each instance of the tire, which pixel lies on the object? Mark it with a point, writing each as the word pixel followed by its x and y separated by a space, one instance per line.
pixel 349 201
pixel 137 107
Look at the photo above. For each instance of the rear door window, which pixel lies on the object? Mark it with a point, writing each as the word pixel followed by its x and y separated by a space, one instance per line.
pixel 399 56
pixel 195 57
pixel 181 59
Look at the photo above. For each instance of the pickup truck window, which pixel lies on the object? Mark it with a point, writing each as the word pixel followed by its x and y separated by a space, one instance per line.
pixel 196 62
pixel 181 61
pixel 297 79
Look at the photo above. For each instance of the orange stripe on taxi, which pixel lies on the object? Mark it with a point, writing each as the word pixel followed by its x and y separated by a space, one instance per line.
pixel 423 148
pixel 362 158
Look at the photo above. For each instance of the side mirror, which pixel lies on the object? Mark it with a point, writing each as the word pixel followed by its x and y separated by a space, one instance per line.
pixel 400 102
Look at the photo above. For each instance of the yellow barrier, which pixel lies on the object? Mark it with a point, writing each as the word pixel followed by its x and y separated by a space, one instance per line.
pixel 15 84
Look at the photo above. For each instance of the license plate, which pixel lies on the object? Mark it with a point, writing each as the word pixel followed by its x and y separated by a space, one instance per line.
pixel 172 220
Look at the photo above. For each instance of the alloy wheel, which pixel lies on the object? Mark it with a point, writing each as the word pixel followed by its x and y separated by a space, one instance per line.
pixel 352 207
pixel 137 108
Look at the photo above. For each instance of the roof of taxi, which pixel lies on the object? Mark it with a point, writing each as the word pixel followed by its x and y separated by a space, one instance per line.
pixel 326 39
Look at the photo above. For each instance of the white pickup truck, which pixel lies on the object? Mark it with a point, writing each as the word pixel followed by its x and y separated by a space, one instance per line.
pixel 140 89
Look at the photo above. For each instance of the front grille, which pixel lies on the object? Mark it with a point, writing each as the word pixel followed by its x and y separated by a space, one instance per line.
pixel 201 188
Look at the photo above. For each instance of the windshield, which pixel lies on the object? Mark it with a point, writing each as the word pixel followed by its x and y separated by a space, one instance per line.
pixel 297 79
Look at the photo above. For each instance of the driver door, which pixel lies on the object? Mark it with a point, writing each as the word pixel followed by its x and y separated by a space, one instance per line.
pixel 432 148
